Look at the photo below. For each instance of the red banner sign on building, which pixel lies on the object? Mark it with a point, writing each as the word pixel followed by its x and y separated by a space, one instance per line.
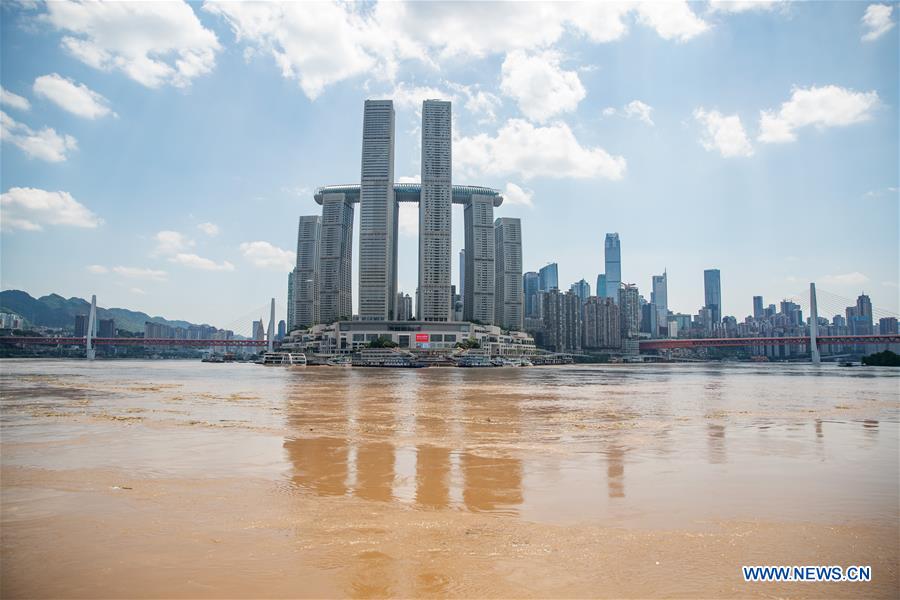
pixel 421 337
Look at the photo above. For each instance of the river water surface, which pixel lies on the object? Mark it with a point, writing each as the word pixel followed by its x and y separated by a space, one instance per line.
pixel 173 478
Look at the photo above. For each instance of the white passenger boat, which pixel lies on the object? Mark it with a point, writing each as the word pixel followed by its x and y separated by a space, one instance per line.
pixel 284 359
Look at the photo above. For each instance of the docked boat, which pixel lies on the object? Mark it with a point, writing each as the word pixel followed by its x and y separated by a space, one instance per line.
pixel 284 359
pixel 213 358
pixel 386 357
pixel 339 361
pixel 475 360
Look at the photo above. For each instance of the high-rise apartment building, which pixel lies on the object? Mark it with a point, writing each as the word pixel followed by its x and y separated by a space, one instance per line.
pixel 562 321
pixel 601 324
pixel 601 286
pixel 378 214
pixel 659 297
pixel 530 287
pixel 106 328
pixel 613 264
pixel 758 310
pixel 462 273
pixel 435 213
pixel 582 289
pixel 508 305
pixel 548 277
pixel 478 303
pixel 404 307
pixel 306 298
pixel 630 311
pixel 336 259
pixel 712 294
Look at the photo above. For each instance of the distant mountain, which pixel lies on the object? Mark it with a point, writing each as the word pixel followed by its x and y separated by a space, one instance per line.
pixel 56 311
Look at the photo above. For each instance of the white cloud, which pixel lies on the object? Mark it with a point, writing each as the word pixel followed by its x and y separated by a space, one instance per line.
pixel 479 103
pixel 409 179
pixel 138 291
pixel 739 6
pixel 523 149
pixel 7 98
pixel 539 85
pixel 516 195
pixel 609 111
pixel 210 229
pixel 76 98
pixel 671 20
pixel 139 273
pixel 724 133
pixel 827 106
pixel 268 256
pixel 891 284
pixel 638 110
pixel 878 21
pixel 854 278
pixel 408 219
pixel 171 242
pixel 45 144
pixel 97 269
pixel 198 262
pixel 319 44
pixel 31 208
pixel 153 43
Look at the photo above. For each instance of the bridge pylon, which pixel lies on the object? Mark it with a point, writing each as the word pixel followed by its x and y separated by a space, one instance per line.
pixel 270 334
pixel 89 350
pixel 813 326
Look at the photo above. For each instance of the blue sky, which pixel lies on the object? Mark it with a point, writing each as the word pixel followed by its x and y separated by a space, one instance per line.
pixel 159 155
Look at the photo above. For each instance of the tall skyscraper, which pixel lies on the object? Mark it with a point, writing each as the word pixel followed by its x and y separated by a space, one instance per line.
pixel 659 296
pixel 630 311
pixel 478 303
pixel 601 323
pixel 435 213
pixel 290 301
pixel 530 286
pixel 582 289
pixel 548 277
pixel 378 214
pixel 758 310
pixel 508 305
pixel 306 305
pixel 613 260
pixel 462 272
pixel 601 286
pixel 712 293
pixel 336 259
pixel 562 319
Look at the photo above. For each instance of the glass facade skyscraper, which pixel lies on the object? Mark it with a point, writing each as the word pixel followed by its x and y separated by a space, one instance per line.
pixel 613 264
pixel 435 302
pixel 548 277
pixel 712 294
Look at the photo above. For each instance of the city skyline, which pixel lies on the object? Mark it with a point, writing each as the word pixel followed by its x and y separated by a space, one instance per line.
pixel 198 187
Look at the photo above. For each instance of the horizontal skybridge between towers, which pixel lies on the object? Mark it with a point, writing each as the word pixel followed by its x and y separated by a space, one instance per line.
pixel 412 192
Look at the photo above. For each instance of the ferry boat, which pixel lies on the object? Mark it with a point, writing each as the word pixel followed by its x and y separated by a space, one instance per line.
pixel 386 357
pixel 213 358
pixel 339 361
pixel 475 360
pixel 284 359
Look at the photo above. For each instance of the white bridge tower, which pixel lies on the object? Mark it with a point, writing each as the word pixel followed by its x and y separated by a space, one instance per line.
pixel 813 326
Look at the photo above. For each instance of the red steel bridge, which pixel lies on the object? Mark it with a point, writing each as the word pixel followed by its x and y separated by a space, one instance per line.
pixel 822 340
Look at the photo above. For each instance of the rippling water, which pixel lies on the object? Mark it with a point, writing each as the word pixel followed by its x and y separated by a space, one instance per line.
pixel 641 447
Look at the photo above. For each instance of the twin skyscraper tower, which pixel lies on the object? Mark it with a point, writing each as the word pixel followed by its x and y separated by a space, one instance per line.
pixel 320 287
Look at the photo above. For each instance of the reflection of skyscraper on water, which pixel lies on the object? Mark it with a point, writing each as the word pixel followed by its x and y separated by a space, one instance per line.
pixel 376 418
pixel 320 464
pixel 615 471
pixel 433 408
pixel 716 443
pixel 493 480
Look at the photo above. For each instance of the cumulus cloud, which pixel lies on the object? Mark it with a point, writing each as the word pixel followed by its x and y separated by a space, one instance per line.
pixel 140 273
pixel 45 144
pixel 76 98
pixel 97 269
pixel 138 291
pixel 854 278
pixel 210 229
pixel 513 194
pixel 827 106
pixel 30 209
pixel 481 104
pixel 320 44
pixel 7 98
pixel 633 110
pixel 739 6
pixel 268 256
pixel 724 133
pixel 539 85
pixel 671 20
pixel 529 151
pixel 198 262
pixel 153 43
pixel 877 20
pixel 171 242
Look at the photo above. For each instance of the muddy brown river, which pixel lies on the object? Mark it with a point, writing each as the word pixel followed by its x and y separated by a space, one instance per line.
pixel 190 480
